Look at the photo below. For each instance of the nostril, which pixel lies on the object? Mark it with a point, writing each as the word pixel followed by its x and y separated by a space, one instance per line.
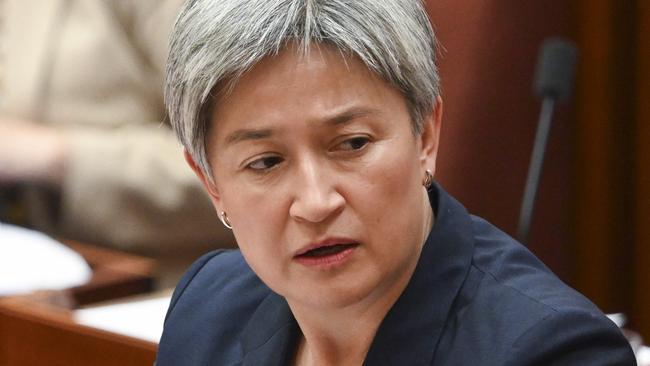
pixel 316 208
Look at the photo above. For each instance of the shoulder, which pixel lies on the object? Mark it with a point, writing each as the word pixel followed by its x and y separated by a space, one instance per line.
pixel 572 336
pixel 524 314
pixel 509 268
pixel 508 265
pixel 209 310
pixel 219 270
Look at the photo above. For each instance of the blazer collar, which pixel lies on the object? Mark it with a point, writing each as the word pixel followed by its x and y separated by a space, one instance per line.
pixel 270 336
pixel 409 333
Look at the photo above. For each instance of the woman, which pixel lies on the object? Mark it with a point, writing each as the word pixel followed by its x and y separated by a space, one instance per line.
pixel 314 126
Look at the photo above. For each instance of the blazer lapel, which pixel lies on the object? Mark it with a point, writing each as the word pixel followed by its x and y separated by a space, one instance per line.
pixel 410 332
pixel 270 336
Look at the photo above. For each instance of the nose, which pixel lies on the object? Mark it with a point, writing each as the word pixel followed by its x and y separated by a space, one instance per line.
pixel 315 197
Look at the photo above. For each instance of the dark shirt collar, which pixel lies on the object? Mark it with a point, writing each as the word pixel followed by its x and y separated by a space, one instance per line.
pixel 409 333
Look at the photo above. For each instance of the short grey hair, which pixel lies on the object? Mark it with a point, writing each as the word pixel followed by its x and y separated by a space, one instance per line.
pixel 214 42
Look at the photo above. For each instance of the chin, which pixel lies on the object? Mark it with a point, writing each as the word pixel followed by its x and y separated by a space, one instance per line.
pixel 333 295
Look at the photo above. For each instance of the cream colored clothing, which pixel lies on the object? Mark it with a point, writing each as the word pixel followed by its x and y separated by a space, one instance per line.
pixel 94 70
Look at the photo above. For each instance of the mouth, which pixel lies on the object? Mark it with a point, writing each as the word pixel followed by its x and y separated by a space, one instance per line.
pixel 326 254
pixel 326 250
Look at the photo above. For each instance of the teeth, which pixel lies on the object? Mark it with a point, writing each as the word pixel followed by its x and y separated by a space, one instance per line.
pixel 328 250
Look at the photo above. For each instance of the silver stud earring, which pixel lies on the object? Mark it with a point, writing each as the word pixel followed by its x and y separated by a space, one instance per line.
pixel 224 220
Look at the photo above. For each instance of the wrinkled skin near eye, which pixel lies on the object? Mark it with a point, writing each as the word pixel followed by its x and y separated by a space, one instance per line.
pixel 264 163
pixel 355 143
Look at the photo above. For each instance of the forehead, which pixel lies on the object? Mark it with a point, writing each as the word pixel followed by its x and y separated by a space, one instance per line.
pixel 295 87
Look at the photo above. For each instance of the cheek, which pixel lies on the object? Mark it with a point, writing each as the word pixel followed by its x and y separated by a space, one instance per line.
pixel 255 211
pixel 258 222
pixel 261 256
pixel 393 175
pixel 391 190
pixel 258 219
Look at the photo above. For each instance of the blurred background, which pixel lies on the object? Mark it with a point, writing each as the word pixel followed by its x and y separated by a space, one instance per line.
pixel 86 152
pixel 90 71
pixel 591 224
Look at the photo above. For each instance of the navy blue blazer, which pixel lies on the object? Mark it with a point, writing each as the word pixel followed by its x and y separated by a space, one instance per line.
pixel 477 297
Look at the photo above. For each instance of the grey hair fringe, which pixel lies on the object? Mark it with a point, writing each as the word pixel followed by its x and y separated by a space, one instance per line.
pixel 214 42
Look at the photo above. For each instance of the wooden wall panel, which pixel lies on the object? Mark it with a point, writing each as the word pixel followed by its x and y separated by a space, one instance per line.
pixel 591 224
pixel 597 192
pixel 612 255
pixel 642 179
pixel 489 51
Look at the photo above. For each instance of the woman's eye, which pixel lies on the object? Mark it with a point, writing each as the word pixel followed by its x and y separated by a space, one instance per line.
pixel 355 143
pixel 265 163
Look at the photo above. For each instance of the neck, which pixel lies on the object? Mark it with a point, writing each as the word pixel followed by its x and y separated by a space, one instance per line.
pixel 343 336
pixel 347 347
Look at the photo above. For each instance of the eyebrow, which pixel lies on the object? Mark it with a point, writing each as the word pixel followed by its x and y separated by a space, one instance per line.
pixel 350 115
pixel 248 134
pixel 336 120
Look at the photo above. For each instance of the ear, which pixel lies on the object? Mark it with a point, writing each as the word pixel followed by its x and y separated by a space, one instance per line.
pixel 430 137
pixel 210 187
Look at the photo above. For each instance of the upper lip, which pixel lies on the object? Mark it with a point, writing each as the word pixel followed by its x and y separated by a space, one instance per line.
pixel 324 243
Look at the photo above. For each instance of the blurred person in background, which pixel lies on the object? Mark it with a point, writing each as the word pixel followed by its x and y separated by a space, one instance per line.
pixel 84 142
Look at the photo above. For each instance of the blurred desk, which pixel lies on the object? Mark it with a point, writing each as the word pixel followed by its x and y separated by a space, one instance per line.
pixel 115 274
pixel 40 329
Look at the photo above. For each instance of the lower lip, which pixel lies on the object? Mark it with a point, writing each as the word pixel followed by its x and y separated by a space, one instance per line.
pixel 328 261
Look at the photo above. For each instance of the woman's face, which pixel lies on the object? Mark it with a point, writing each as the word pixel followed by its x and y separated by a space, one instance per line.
pixel 317 167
